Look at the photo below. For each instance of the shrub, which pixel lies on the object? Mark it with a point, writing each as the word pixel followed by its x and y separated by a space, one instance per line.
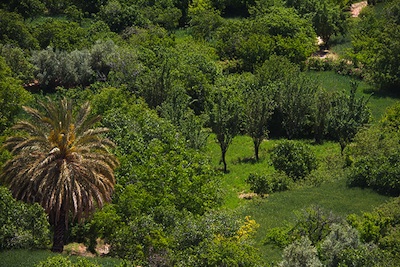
pixel 60 261
pixel 319 64
pixel 380 226
pixel 21 225
pixel 279 236
pixel 142 239
pixel 226 243
pixel 341 237
pixel 294 158
pixel 267 184
pixel 56 261
pixel 380 173
pixel 54 68
pixel 300 253
pixel 367 255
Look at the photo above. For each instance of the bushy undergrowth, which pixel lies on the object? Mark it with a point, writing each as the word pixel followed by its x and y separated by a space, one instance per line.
pixel 374 156
pixel 319 238
pixel 268 183
pixel 379 173
pixel 380 226
pixel 21 225
pixel 294 158
pixel 340 66
pixel 212 239
pixel 60 261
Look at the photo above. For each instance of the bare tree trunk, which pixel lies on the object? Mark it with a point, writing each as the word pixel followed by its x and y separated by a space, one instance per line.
pixel 257 144
pixel 60 228
pixel 224 160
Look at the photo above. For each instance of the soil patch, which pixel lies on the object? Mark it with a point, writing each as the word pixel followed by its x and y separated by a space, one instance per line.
pixel 357 7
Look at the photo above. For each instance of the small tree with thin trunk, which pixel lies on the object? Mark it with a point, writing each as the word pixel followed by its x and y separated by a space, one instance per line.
pixel 347 115
pixel 296 99
pixel 258 108
pixel 224 118
pixel 62 162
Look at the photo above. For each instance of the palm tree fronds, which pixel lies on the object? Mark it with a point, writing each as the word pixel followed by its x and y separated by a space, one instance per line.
pixel 62 162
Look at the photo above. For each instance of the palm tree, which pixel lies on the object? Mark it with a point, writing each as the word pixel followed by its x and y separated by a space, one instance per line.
pixel 62 162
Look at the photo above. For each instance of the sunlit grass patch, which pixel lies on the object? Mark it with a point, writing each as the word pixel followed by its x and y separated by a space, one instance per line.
pixel 325 187
pixel 332 81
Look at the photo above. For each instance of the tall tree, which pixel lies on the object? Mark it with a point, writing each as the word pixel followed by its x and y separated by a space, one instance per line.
pixel 376 46
pixel 224 115
pixel 296 99
pixel 326 16
pixel 62 162
pixel 347 115
pixel 258 108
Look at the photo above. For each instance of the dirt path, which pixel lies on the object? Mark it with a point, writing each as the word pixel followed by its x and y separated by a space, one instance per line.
pixel 357 7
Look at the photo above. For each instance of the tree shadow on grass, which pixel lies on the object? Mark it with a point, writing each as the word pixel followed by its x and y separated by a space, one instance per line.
pixel 376 93
pixel 246 160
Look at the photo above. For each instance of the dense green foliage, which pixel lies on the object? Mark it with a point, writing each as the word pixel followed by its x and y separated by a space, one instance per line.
pixel 374 155
pixel 326 16
pixel 319 238
pixel 296 159
pixel 22 225
pixel 380 227
pixel 268 184
pixel 166 75
pixel 376 45
pixel 12 96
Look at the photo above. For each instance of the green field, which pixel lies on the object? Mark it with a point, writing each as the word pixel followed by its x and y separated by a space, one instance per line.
pixel 279 209
pixel 378 103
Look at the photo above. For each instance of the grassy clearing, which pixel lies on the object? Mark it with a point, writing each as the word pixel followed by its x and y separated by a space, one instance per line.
pixel 278 209
pixel 240 160
pixel 332 81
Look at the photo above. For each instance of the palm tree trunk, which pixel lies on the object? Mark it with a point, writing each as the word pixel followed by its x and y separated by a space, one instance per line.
pixel 60 228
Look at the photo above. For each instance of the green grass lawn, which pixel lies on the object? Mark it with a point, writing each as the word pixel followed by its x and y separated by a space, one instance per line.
pixel 279 209
pixel 332 81
pixel 340 44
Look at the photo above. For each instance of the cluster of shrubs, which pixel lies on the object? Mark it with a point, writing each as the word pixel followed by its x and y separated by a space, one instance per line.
pixel 21 225
pixel 292 160
pixel 319 238
pixel 374 159
pixel 379 173
pixel 340 66
pixel 268 183
pixel 61 261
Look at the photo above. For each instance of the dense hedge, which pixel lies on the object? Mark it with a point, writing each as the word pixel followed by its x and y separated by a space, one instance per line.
pixel 21 225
